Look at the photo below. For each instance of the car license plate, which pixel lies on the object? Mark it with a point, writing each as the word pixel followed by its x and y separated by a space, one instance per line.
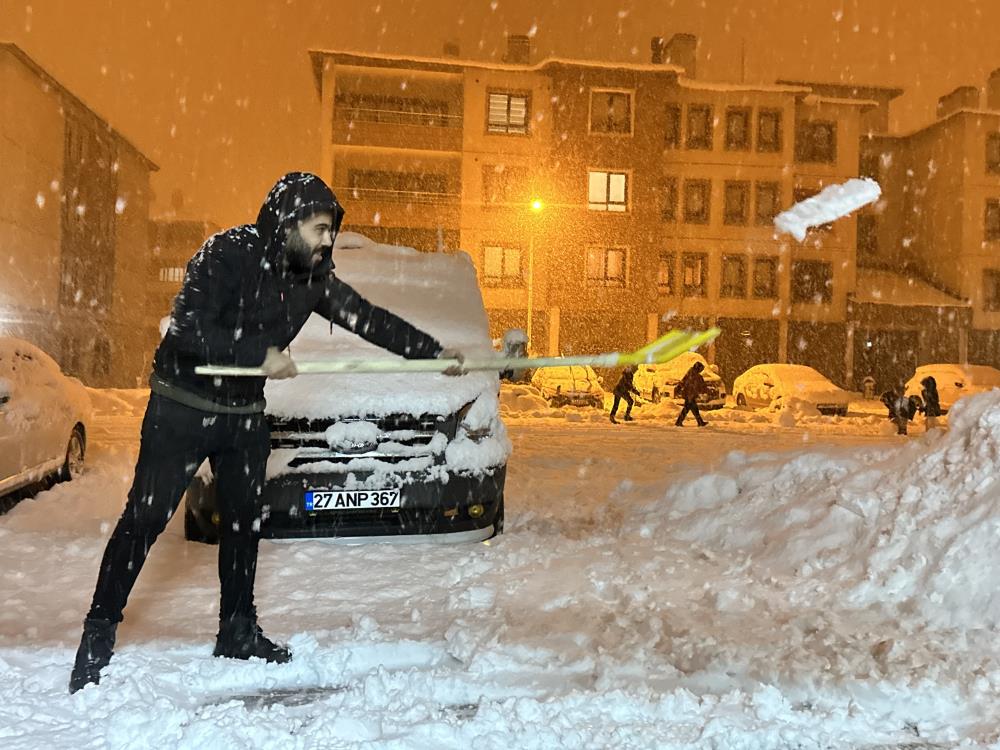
pixel 351 499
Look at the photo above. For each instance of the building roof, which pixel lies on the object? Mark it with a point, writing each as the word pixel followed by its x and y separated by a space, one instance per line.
pixel 456 65
pixel 48 78
pixel 848 90
pixel 878 287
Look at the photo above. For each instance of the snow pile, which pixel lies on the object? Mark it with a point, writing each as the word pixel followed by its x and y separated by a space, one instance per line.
pixel 832 203
pixel 521 398
pixel 112 402
pixel 346 435
pixel 912 527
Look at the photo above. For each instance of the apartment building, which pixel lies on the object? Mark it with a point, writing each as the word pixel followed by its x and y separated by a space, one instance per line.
pixel 941 226
pixel 606 202
pixel 73 227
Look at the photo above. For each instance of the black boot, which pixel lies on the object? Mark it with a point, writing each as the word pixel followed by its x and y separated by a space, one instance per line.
pixel 242 638
pixel 96 647
pixel 613 420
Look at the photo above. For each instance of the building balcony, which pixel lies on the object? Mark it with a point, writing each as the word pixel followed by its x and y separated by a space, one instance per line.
pixel 388 128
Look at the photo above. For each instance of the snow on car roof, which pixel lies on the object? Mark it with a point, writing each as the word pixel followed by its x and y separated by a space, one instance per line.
pixel 980 374
pixel 786 372
pixel 437 292
pixel 11 346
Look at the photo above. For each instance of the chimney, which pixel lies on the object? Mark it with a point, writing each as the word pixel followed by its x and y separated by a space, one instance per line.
pixel 656 45
pixel 993 90
pixel 682 50
pixel 518 49
pixel 451 49
pixel 964 97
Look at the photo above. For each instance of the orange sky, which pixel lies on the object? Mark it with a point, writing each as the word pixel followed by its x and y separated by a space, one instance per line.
pixel 222 98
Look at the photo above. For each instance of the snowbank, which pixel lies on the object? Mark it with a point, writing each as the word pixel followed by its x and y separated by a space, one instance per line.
pixel 912 528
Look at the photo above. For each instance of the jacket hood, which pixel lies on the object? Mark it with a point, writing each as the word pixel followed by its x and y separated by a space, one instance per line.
pixel 697 367
pixel 929 383
pixel 297 195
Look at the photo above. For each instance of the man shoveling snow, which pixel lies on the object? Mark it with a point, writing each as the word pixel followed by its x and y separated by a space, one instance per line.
pixel 246 294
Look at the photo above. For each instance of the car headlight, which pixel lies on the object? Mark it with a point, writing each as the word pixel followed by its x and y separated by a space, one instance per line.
pixel 475 435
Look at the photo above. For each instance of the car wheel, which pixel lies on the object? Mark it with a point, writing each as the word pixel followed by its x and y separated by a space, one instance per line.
pixel 654 396
pixel 76 451
pixel 741 401
pixel 201 518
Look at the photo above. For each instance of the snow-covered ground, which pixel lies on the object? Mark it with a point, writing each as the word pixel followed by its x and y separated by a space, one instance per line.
pixel 772 581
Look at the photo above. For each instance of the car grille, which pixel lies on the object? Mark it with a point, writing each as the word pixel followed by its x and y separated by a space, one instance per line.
pixel 402 437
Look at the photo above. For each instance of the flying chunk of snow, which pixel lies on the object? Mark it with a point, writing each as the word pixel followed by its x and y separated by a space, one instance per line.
pixel 833 202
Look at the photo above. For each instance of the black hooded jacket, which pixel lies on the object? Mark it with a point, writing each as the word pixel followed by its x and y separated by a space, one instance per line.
pixel 237 300
pixel 692 384
pixel 932 403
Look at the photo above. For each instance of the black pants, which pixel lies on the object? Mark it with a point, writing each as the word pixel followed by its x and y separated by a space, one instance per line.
pixel 690 405
pixel 627 398
pixel 176 439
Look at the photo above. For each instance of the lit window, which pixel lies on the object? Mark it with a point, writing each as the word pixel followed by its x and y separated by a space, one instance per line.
pixel 607 191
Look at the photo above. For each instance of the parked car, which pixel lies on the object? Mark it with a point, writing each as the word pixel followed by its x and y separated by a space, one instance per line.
pixel 570 385
pixel 396 456
pixel 658 382
pixel 775 385
pixel 954 381
pixel 43 418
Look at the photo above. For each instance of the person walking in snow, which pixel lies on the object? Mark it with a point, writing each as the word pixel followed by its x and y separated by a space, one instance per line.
pixel 624 392
pixel 901 408
pixel 246 294
pixel 931 402
pixel 691 386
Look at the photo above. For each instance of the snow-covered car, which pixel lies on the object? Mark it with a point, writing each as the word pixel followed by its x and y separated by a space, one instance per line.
pixel 660 381
pixel 569 385
pixel 954 381
pixel 777 385
pixel 398 456
pixel 43 418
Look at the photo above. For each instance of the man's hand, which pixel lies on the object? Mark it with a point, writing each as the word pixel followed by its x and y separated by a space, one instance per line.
pixel 454 370
pixel 278 365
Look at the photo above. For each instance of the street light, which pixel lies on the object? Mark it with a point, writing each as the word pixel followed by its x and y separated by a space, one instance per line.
pixel 536 206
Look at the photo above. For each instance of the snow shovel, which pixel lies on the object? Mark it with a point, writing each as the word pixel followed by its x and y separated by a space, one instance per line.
pixel 663 349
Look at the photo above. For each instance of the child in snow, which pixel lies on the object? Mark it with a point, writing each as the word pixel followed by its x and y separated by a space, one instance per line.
pixel 901 408
pixel 931 402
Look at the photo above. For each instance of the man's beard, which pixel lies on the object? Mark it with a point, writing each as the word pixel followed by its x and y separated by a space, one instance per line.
pixel 299 256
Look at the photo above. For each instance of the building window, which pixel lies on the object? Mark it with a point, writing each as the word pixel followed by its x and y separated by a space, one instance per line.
pixel 991 290
pixel 665 282
pixel 699 126
pixel 768 202
pixel 694 270
pixel 812 282
pixel 867 237
pixel 697 201
pixel 607 191
pixel 505 185
pixel 672 136
pixel 765 278
pixel 737 129
pixel 606 266
pixel 992 220
pixel 769 130
pixel 501 266
pixel 610 112
pixel 668 209
pixel 816 141
pixel 172 274
pixel 508 113
pixel 993 153
pixel 737 206
pixel 734 277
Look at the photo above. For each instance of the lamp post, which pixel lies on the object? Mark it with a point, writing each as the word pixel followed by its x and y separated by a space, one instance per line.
pixel 536 207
